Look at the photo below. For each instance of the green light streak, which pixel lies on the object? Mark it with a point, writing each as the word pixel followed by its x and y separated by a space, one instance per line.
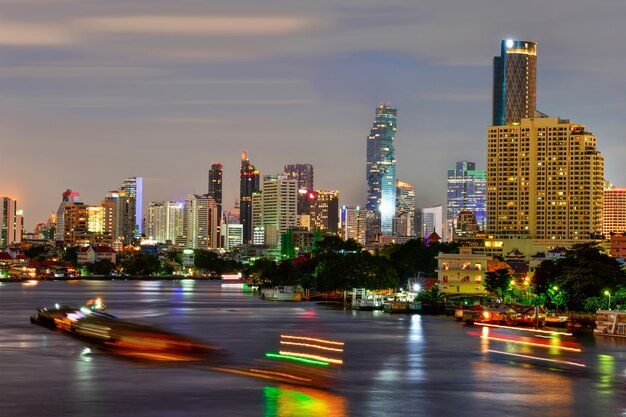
pixel 296 359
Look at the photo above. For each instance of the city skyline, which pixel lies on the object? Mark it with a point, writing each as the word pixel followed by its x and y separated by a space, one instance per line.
pixel 290 83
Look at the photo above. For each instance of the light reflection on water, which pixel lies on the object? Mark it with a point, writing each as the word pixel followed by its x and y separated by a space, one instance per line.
pixel 394 364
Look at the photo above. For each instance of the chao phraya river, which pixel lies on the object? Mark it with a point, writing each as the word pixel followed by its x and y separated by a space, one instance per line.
pixel 394 365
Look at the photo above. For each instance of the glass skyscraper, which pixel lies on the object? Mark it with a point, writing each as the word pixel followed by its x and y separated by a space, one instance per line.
pixel 514 82
pixel 467 190
pixel 249 184
pixel 381 173
pixel 303 173
pixel 215 188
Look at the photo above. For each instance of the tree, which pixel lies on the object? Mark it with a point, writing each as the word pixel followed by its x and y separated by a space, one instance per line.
pixel 102 267
pixel 498 281
pixel 70 254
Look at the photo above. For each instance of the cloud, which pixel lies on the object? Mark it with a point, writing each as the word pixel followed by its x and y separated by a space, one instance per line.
pixel 198 25
pixel 76 71
pixel 35 34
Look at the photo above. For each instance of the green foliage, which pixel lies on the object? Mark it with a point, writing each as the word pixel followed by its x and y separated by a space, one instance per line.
pixel 432 296
pixel 414 257
pixel 557 297
pixel 101 267
pixel 36 251
pixel 498 281
pixel 213 262
pixel 70 254
pixel 138 263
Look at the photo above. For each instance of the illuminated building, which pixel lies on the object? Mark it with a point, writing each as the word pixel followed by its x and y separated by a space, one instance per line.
pixel 76 225
pixel 353 223
pixel 303 174
pixel 461 273
pixel 166 222
pixel 119 216
pixel 404 222
pixel 215 186
pixel 381 173
pixel 201 222
pixel 233 235
pixel 467 190
pixel 68 197
pixel 324 210
pixel 133 190
pixel 249 183
pixel 544 180
pixel 274 209
pixel 10 222
pixel 614 211
pixel 95 219
pixel 432 221
pixel 514 82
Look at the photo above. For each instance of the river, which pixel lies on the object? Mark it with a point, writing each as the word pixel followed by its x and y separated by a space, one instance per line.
pixel 394 365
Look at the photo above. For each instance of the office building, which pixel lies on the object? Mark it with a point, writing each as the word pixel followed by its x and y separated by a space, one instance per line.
pixel 10 222
pixel 303 174
pixel 133 190
pixel 404 221
pixel 432 221
pixel 68 197
pixel 324 210
pixel 467 191
pixel 215 186
pixel 352 224
pixel 614 211
pixel 249 183
pixel 514 82
pixel 381 173
pixel 274 209
pixel 233 235
pixel 544 180
pixel 201 222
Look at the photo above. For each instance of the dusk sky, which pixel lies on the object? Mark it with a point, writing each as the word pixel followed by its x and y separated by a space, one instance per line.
pixel 94 91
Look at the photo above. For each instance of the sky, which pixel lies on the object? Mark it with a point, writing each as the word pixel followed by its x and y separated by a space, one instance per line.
pixel 94 91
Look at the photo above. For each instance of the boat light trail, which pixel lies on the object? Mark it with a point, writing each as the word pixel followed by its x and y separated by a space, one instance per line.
pixel 296 359
pixel 311 346
pixel 314 357
pixel 521 342
pixel 522 329
pixel 310 339
pixel 538 358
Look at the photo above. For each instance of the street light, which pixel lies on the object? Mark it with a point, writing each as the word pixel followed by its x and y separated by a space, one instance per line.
pixel 609 294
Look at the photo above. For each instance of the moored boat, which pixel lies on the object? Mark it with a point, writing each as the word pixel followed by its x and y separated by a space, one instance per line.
pixel 610 323
pixel 282 293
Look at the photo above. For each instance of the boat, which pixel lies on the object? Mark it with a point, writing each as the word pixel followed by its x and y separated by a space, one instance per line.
pixel 401 303
pixel 552 320
pixel 121 337
pixel 238 282
pixel 610 323
pixel 282 293
pixel 365 301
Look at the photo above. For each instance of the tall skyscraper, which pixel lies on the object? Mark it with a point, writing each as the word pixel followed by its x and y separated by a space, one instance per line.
pixel 201 216
pixel 133 188
pixel 467 190
pixel 404 222
pixel 614 211
pixel 166 222
pixel 10 222
pixel 324 210
pixel 68 197
pixel 120 216
pixel 381 173
pixel 514 82
pixel 249 182
pixel 544 180
pixel 352 223
pixel 215 186
pixel 275 209
pixel 432 221
pixel 303 174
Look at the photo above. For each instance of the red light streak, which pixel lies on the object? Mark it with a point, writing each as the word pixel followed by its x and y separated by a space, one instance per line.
pixel 311 346
pixel 310 339
pixel 308 356
pixel 521 342
pixel 538 358
pixel 522 329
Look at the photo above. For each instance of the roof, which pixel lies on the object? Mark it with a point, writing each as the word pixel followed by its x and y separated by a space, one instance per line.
pixel 4 256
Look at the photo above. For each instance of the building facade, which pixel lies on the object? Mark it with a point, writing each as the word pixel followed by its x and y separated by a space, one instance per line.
pixel 614 211
pixel 461 273
pixel 215 186
pixel 432 221
pixel 274 209
pixel 381 172
pixel 201 221
pixel 514 82
pixel 324 207
pixel 132 188
pixel 10 222
pixel 544 180
pixel 249 183
pixel 404 222
pixel 467 190
pixel 352 224
pixel 68 197
pixel 303 174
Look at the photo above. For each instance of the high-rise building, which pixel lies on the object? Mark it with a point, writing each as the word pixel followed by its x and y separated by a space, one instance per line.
pixel 467 190
pixel 76 224
pixel 68 197
pixel 514 82
pixel 353 223
pixel 432 221
pixel 614 211
pixel 544 180
pixel 324 210
pixel 303 174
pixel 120 216
pixel 133 188
pixel 249 184
pixel 404 224
pixel 215 186
pixel 10 222
pixel 275 209
pixel 381 173
pixel 201 215
pixel 166 222
pixel 233 235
